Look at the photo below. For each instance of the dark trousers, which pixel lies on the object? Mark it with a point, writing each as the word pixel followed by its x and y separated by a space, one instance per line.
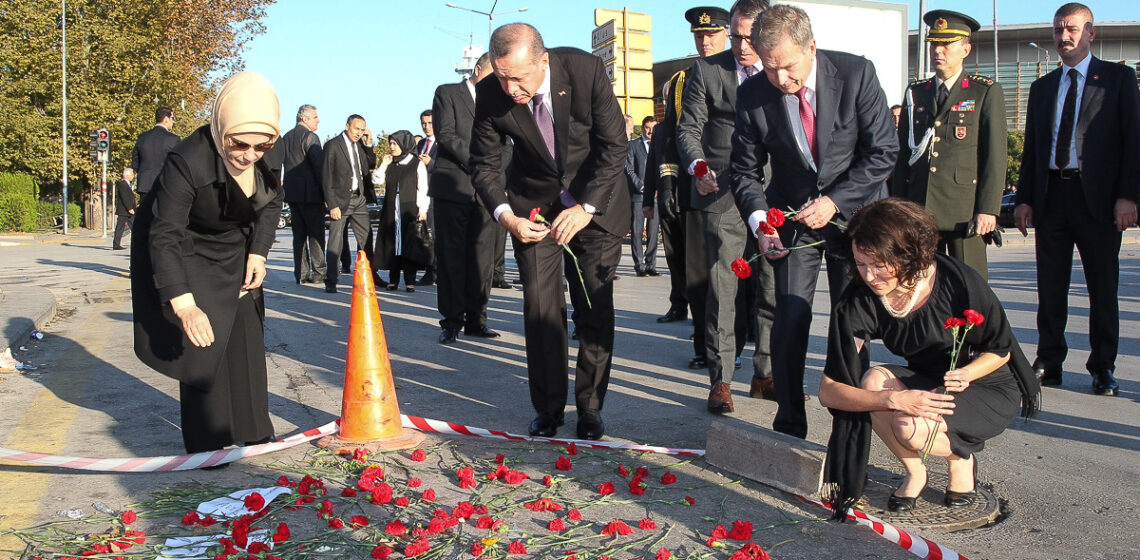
pixel 500 271
pixel 236 408
pixel 357 217
pixel 970 250
pixel 465 237
pixel 308 223
pixel 726 316
pixel 696 275
pixel 398 264
pixel 796 276
pixel 346 254
pixel 673 236
pixel 1066 222
pixel 760 300
pixel 123 225
pixel 644 252
pixel 544 318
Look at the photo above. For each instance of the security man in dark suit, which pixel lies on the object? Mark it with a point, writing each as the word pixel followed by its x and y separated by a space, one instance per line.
pixel 427 149
pixel 151 148
pixel 704 138
pixel 1079 185
pixel 464 232
pixel 821 120
pixel 953 141
pixel 124 208
pixel 302 161
pixel 569 150
pixel 644 253
pixel 346 181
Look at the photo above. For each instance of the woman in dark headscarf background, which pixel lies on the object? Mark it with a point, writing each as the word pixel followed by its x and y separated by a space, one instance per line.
pixel 405 206
pixel 202 237
pixel 904 296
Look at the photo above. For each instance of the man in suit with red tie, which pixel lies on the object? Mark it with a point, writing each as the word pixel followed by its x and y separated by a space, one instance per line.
pixel 821 120
pixel 1079 186
pixel 426 150
pixel 559 108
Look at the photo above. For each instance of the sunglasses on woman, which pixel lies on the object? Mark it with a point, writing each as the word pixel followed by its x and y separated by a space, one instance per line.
pixel 239 146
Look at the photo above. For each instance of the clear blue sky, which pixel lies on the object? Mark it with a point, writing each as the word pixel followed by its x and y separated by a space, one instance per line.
pixel 384 58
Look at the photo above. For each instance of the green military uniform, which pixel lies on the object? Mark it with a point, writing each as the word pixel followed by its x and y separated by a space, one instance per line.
pixel 953 160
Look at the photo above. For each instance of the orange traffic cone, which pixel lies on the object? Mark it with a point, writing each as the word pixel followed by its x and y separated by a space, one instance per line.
pixel 369 414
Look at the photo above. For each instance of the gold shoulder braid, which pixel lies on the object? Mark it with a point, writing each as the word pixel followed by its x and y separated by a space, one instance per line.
pixel 678 88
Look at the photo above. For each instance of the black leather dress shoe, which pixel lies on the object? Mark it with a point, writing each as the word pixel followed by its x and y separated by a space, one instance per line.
pixel 501 285
pixel 698 362
pixel 954 499
pixel 1104 383
pixel 448 336
pixel 481 331
pixel 672 316
pixel 590 425
pixel 1049 377
pixel 640 273
pixel 653 272
pixel 546 424
pixel 427 280
pixel 330 289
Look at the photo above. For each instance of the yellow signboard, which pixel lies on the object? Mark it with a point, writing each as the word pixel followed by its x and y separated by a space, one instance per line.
pixel 637 22
pixel 636 108
pixel 638 40
pixel 640 83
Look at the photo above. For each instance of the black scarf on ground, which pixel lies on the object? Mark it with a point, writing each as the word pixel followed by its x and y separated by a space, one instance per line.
pixel 849 447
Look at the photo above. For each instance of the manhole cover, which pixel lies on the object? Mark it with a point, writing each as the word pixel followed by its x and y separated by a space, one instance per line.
pixel 928 512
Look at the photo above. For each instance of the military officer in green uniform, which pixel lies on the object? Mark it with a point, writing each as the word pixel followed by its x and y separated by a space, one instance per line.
pixel 953 137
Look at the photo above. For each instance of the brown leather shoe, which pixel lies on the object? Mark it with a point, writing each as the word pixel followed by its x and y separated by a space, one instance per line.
pixel 763 388
pixel 720 399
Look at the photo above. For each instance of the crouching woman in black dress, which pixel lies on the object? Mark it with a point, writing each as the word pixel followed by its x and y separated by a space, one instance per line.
pixel 197 263
pixel 906 295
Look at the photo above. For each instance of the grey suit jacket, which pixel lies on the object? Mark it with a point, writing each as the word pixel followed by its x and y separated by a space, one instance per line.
pixel 1107 135
pixel 635 166
pixel 855 140
pixel 708 116
pixel 302 159
pixel 453 112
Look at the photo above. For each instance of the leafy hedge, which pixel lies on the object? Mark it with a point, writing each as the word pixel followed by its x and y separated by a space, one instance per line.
pixel 17 211
pixel 20 211
pixel 19 183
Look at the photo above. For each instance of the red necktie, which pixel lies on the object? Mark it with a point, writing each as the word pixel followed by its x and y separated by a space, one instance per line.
pixel 807 117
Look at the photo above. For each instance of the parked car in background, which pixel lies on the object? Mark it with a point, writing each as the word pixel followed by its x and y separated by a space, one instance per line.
pixel 1008 201
pixel 286 218
pixel 373 215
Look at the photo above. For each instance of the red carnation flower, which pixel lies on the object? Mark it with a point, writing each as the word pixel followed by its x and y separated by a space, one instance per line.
pixel 515 477
pixel 477 549
pixel 767 229
pixel 606 488
pixel 562 464
pixel 396 528
pixel 481 509
pixel 283 481
pixel 954 323
pixel 419 455
pixel 741 268
pixel 636 486
pixel 719 532
pixel 547 481
pixel 485 522
pixel 402 501
pixel 258 548
pixel 647 524
pixel 617 527
pixel 254 502
pixel 207 521
pixel 282 533
pixel 974 318
pixel 128 517
pixel 691 501
pixel 428 495
pixel 556 525
pixel 516 547
pixel 534 215
pixel 382 494
pixel 381 552
pixel 463 510
pixel 326 508
pixel 335 523
pixel 741 530
pixel 622 470
pixel 668 478
pixel 414 482
pixel 700 169
pixel 359 454
pixel 499 458
pixel 664 554
pixel 572 449
pixel 348 492
pixel 358 521
pixel 775 217
pixel 750 551
pixel 574 515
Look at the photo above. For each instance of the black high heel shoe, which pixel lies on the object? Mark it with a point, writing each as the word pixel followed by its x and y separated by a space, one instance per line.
pixel 954 499
pixel 899 504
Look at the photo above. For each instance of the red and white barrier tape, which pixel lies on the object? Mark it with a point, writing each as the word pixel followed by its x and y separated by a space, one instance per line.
pixel 918 546
pixel 921 547
pixel 164 463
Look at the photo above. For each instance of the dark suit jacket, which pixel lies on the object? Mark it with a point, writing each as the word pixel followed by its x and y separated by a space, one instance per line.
pixel 590 134
pixel 431 152
pixel 635 170
pixel 963 172
pixel 708 116
pixel 302 159
pixel 664 177
pixel 124 198
pixel 855 140
pixel 149 154
pixel 1107 135
pixel 336 173
pixel 193 234
pixel 453 112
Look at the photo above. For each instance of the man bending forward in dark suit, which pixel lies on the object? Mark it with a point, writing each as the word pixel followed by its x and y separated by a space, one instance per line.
pixel 1079 186
pixel 570 147
pixel 822 121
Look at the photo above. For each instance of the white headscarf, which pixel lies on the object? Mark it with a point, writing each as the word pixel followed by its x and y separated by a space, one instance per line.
pixel 246 102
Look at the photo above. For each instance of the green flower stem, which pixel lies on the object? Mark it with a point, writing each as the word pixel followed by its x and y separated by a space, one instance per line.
pixel 581 281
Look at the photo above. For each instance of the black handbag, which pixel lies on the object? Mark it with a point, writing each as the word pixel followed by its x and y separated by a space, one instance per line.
pixel 418 248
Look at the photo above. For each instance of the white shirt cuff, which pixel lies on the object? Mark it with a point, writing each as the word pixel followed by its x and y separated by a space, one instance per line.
pixel 500 209
pixel 754 221
pixel 589 208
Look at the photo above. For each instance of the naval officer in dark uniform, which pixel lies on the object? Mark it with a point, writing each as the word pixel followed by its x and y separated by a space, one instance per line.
pixel 953 137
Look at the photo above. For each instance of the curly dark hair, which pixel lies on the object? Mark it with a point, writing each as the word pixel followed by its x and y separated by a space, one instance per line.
pixel 901 233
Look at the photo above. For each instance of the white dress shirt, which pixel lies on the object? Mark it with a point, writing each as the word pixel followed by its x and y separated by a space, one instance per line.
pixel 1062 90
pixel 352 160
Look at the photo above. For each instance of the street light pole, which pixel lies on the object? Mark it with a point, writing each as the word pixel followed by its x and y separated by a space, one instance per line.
pixel 490 15
pixel 1039 51
pixel 63 19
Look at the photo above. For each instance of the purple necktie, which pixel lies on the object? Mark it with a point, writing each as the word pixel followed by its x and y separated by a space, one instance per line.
pixel 545 124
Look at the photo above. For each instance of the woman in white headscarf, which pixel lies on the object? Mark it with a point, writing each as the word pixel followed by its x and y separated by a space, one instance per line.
pixel 201 239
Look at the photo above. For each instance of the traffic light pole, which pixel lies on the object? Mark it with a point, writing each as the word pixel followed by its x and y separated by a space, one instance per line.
pixel 104 188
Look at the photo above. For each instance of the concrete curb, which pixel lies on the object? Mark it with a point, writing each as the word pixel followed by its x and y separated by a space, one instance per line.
pixel 24 309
